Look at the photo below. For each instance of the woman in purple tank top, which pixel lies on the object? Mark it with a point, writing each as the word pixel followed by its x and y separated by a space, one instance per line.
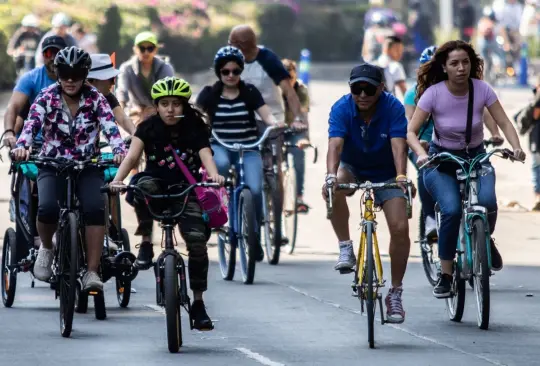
pixel 443 93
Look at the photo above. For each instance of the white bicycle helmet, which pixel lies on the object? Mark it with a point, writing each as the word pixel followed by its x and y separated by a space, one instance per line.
pixel 60 19
pixel 30 20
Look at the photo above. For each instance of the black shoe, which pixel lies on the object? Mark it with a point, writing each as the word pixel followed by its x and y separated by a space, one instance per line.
pixel 145 256
pixel 496 259
pixel 443 288
pixel 201 320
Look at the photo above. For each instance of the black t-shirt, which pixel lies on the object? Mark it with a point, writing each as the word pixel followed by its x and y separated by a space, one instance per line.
pixel 188 137
pixel 113 102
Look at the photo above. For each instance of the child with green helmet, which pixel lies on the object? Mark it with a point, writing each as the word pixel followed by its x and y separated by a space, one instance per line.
pixel 179 125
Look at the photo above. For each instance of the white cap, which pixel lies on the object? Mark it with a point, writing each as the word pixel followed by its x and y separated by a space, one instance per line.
pixel 30 20
pixel 60 19
pixel 102 67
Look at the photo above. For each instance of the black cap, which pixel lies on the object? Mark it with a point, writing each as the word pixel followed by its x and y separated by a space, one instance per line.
pixel 367 73
pixel 53 41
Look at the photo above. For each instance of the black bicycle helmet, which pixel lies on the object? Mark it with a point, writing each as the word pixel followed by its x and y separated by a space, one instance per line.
pixel 73 57
pixel 226 54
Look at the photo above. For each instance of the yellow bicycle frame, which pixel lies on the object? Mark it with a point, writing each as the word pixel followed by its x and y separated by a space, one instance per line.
pixel 369 216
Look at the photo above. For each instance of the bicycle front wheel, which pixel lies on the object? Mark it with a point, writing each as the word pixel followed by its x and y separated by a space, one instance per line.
pixel 370 279
pixel 290 212
pixel 455 304
pixel 247 236
pixel 68 272
pixel 172 305
pixel 272 221
pixel 481 272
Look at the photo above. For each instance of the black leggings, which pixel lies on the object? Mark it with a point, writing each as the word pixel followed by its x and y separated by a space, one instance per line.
pixel 52 188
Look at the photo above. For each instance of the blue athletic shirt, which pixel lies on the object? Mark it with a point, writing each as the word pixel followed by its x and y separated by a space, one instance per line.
pixel 369 152
pixel 426 131
pixel 31 84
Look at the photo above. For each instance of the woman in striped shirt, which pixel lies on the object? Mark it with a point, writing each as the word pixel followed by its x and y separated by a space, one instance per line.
pixel 231 105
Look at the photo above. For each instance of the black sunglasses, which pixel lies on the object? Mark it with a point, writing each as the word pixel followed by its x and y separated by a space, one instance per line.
pixel 65 72
pixel 235 72
pixel 358 88
pixel 150 49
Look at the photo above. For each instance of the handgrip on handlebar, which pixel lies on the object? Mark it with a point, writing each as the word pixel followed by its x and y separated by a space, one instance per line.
pixel 329 201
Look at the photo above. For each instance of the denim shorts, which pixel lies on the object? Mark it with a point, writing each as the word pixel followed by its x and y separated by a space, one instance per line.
pixel 381 196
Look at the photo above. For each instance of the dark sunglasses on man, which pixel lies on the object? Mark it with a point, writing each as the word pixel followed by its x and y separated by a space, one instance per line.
pixel 150 49
pixel 227 72
pixel 64 72
pixel 50 52
pixel 358 88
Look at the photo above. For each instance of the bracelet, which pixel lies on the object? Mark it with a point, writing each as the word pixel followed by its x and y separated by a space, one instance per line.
pixel 9 130
pixel 401 176
pixel 330 176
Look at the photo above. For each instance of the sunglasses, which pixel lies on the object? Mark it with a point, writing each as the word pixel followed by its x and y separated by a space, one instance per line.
pixel 150 49
pixel 50 52
pixel 227 72
pixel 68 73
pixel 358 88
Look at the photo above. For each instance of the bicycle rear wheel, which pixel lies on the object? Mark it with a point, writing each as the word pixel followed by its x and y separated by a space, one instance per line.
pixel 9 276
pixel 247 236
pixel 481 272
pixel 429 262
pixel 370 279
pixel 68 272
pixel 290 212
pixel 455 304
pixel 272 221
pixel 172 304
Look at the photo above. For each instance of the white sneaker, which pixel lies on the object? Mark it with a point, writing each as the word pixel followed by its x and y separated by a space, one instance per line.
pixel 347 259
pixel 42 267
pixel 431 227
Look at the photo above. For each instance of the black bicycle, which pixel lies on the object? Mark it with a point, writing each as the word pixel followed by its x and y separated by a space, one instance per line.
pixel 169 268
pixel 69 262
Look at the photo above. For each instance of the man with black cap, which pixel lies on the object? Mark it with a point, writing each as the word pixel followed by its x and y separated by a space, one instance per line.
pixel 29 87
pixel 367 142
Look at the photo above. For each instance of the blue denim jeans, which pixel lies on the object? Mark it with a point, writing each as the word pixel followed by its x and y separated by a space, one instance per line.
pixel 299 159
pixel 536 172
pixel 444 188
pixel 428 204
pixel 253 172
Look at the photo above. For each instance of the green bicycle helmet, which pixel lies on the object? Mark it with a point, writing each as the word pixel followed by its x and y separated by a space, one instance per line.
pixel 171 87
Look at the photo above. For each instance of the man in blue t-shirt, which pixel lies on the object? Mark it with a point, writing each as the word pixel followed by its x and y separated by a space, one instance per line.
pixel 367 142
pixel 29 87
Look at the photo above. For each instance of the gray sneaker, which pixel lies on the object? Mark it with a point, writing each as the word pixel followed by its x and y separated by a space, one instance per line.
pixel 91 281
pixel 347 259
pixel 42 267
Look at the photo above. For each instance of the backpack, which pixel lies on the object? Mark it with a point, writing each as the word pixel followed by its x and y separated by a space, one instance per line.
pixel 524 118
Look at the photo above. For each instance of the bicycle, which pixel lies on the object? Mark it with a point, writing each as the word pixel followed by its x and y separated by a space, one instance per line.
pixel 69 257
pixel 241 232
pixel 473 258
pixel 290 196
pixel 169 268
pixel 368 274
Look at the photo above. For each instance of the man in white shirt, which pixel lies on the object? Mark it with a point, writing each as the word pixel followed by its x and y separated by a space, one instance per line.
pixel 394 73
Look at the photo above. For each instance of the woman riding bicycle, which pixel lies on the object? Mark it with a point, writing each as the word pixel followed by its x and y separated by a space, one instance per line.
pixel 231 105
pixel 181 127
pixel 70 114
pixel 443 87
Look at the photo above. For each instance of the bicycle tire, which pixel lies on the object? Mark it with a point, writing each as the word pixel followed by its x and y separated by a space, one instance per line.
pixel 172 304
pixel 481 272
pixel 431 274
pixel 227 263
pixel 370 278
pixel 272 225
pixel 290 198
pixel 247 236
pixel 69 251
pixel 455 304
pixel 99 306
pixel 9 257
pixel 81 300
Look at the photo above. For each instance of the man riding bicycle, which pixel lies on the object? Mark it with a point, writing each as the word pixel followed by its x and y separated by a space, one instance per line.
pixel 367 131
pixel 71 115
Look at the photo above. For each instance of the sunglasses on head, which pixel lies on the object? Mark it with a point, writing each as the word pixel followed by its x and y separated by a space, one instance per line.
pixel 150 49
pixel 235 72
pixel 50 52
pixel 68 73
pixel 358 88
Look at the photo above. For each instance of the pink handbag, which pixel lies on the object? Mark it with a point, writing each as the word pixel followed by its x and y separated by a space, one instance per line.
pixel 213 201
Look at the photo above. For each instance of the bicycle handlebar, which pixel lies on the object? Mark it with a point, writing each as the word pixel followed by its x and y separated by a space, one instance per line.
pixel 238 147
pixel 147 196
pixel 506 154
pixel 63 163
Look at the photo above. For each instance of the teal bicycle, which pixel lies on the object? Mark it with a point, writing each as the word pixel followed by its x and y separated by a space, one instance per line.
pixel 473 260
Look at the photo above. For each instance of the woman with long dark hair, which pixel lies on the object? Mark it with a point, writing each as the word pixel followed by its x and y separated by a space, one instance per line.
pixel 443 91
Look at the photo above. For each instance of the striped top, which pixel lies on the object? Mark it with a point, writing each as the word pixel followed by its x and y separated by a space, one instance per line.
pixel 232 121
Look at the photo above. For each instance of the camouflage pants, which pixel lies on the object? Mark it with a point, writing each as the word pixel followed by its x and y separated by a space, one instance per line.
pixel 192 227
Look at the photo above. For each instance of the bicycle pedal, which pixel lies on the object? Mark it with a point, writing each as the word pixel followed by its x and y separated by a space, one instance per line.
pixel 346 270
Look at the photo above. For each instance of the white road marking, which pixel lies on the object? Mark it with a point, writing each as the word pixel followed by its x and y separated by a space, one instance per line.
pixel 157 309
pixel 258 357
pixel 397 327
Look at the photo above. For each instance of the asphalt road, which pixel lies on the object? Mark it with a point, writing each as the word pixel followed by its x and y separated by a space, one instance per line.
pixel 301 312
